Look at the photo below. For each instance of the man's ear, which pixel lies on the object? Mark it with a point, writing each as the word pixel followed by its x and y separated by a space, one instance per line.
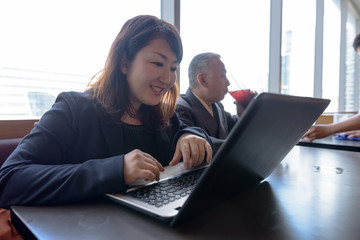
pixel 124 65
pixel 201 79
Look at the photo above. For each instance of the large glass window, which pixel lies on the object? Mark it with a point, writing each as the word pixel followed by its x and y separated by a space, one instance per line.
pixel 331 59
pixel 51 46
pixel 350 64
pixel 47 47
pixel 298 45
pixel 238 31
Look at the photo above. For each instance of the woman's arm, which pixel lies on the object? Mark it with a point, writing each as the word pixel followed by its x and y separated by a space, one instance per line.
pixel 53 164
pixel 349 124
pixel 324 130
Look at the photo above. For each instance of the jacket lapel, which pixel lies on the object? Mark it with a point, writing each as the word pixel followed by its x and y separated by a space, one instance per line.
pixel 206 121
pixel 222 124
pixel 113 135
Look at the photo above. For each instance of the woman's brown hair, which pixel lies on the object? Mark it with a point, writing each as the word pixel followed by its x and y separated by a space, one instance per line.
pixel 111 89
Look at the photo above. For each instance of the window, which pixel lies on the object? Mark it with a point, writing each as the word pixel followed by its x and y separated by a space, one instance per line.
pixel 350 82
pixel 238 31
pixel 298 45
pixel 52 46
pixel 331 59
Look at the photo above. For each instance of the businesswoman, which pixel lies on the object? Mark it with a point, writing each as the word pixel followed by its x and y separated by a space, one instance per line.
pixel 122 128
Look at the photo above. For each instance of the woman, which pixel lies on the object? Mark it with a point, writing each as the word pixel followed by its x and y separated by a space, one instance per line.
pixel 123 128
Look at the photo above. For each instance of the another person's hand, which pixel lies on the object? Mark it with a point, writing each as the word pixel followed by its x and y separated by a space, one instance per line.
pixel 317 131
pixel 242 99
pixel 253 94
pixel 239 109
pixel 352 134
pixel 192 149
pixel 141 165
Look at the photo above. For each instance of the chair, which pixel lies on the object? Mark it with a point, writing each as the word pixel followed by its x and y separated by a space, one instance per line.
pixel 7 146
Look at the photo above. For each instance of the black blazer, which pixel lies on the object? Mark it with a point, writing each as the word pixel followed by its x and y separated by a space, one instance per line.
pixel 74 152
pixel 193 113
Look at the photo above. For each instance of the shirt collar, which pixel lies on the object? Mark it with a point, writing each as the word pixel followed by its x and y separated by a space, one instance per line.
pixel 207 107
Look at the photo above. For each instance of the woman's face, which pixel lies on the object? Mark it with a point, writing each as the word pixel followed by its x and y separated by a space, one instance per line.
pixel 151 74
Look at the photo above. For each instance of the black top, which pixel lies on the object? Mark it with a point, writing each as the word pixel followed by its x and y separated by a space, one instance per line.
pixel 135 137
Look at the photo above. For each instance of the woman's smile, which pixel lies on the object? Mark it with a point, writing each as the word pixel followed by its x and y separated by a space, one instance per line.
pixel 157 90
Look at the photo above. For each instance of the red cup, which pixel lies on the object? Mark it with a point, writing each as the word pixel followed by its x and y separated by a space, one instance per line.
pixel 243 97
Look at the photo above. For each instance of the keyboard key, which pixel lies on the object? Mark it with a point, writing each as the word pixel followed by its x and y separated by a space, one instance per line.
pixel 167 191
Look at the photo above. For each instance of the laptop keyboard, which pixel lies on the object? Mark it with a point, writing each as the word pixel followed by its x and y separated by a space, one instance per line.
pixel 164 192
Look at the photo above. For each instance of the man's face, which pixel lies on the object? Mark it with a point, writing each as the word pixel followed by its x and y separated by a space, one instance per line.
pixel 358 50
pixel 216 80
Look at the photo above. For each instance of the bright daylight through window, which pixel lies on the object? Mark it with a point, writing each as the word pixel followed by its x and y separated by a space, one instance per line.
pixel 52 46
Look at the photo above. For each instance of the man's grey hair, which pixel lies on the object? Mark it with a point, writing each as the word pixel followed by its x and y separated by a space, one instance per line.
pixel 199 64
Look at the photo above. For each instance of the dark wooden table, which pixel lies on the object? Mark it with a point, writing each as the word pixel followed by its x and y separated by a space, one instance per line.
pixel 313 194
pixel 332 143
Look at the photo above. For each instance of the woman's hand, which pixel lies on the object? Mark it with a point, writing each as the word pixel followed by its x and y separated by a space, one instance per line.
pixel 352 134
pixel 317 131
pixel 140 165
pixel 192 149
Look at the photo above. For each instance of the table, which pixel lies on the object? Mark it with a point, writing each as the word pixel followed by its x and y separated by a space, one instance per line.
pixel 331 142
pixel 313 194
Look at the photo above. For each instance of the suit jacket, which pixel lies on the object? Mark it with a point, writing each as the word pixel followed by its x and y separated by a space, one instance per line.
pixel 191 111
pixel 74 152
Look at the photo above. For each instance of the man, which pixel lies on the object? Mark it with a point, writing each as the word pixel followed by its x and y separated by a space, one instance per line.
pixel 200 106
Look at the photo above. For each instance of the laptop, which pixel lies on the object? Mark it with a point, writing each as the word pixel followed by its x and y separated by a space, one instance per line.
pixel 264 134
